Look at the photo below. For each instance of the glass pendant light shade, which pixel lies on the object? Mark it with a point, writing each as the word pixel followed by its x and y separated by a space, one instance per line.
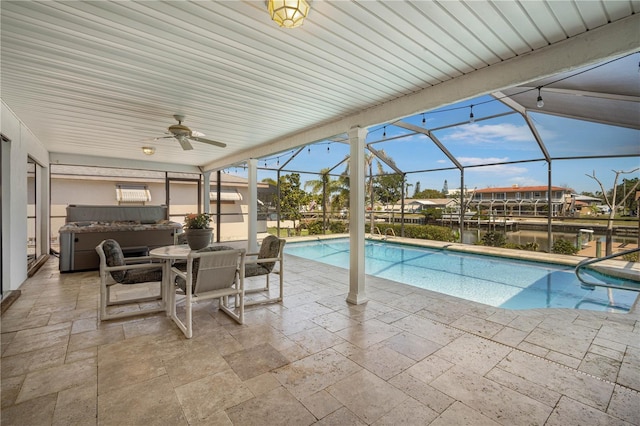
pixel 539 101
pixel 288 13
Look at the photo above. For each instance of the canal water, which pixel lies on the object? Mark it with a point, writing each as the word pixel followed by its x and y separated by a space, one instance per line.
pixel 540 237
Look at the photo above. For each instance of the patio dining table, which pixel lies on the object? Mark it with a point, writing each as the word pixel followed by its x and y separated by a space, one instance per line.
pixel 169 255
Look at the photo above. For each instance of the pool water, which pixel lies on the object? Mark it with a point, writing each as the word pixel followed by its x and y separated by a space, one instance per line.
pixel 500 282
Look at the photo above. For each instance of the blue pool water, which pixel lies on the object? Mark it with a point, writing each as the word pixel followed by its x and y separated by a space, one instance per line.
pixel 495 281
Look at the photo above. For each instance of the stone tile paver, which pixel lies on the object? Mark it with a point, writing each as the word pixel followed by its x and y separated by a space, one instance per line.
pixel 407 356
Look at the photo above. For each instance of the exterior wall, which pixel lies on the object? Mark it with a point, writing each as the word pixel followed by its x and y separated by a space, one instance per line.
pixel 64 191
pixel 14 197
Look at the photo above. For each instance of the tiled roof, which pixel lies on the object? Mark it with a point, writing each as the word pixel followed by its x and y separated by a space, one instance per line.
pixel 520 189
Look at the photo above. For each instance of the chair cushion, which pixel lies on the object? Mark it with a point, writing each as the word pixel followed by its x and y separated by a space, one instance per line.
pixel 180 282
pixel 255 269
pixel 269 248
pixel 114 257
pixel 134 276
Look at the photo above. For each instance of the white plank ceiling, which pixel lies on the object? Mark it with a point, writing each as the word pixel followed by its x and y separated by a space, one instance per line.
pixel 105 78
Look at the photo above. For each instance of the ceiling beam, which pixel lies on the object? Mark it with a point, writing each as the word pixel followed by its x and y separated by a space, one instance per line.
pixel 119 163
pixel 592 94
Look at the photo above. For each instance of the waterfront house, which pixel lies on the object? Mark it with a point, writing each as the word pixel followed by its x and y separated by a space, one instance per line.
pixel 518 200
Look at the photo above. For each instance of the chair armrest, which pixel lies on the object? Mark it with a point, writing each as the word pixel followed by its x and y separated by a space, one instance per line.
pixel 134 266
pixel 263 260
pixel 142 259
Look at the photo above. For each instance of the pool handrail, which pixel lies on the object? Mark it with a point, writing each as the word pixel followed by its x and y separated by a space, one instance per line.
pixel 376 231
pixel 589 285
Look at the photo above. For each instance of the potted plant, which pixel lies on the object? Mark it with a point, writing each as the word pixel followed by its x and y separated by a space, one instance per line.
pixel 197 230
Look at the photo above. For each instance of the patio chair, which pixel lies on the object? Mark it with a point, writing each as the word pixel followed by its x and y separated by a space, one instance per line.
pixel 116 269
pixel 263 263
pixel 211 273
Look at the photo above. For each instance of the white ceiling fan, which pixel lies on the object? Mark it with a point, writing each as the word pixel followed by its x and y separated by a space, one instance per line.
pixel 184 135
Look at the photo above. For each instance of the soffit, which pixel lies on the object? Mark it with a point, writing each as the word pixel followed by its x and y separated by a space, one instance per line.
pixel 104 78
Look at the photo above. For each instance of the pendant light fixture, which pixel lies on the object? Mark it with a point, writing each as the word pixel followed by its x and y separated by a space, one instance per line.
pixel 288 13
pixel 539 102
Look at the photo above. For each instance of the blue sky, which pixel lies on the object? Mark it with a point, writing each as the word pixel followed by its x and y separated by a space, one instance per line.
pixel 499 140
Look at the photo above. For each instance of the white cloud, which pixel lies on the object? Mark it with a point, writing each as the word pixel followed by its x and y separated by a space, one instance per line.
pixel 443 161
pixel 501 176
pixel 473 161
pixel 500 170
pixel 491 133
pixel 497 169
pixel 526 181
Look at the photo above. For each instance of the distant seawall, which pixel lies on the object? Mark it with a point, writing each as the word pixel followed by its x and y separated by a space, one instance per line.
pixel 575 227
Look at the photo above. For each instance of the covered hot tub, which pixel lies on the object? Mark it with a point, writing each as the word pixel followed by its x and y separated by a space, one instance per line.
pixel 137 229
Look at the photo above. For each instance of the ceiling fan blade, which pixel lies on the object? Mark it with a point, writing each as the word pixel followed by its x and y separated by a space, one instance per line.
pixel 209 141
pixel 184 143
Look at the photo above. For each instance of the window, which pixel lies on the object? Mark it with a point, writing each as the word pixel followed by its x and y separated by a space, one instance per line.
pixel 231 195
pixel 128 193
pixel 34 216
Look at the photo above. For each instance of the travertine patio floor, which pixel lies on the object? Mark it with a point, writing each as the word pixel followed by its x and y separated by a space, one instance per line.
pixel 408 356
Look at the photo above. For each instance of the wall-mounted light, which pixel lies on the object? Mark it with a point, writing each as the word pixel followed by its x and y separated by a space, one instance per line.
pixel 288 13
pixel 539 102
pixel 148 150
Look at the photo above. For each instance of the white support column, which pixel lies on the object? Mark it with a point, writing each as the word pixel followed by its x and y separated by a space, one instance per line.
pixel 357 216
pixel 252 243
pixel 206 200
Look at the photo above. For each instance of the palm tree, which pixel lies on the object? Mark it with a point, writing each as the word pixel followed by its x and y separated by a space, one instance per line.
pixel 327 187
pixel 369 161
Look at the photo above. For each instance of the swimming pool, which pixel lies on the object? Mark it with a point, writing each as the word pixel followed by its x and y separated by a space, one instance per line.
pixel 500 282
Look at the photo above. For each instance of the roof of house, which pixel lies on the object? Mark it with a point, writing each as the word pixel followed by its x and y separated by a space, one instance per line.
pixel 521 188
pixel 586 198
pixel 429 201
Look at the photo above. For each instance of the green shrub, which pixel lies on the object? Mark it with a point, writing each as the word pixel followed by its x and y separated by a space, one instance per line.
pixel 630 257
pixel 425 232
pixel 337 227
pixel 494 239
pixel 527 246
pixel 530 246
pixel 432 213
pixel 562 246
pixel 315 227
